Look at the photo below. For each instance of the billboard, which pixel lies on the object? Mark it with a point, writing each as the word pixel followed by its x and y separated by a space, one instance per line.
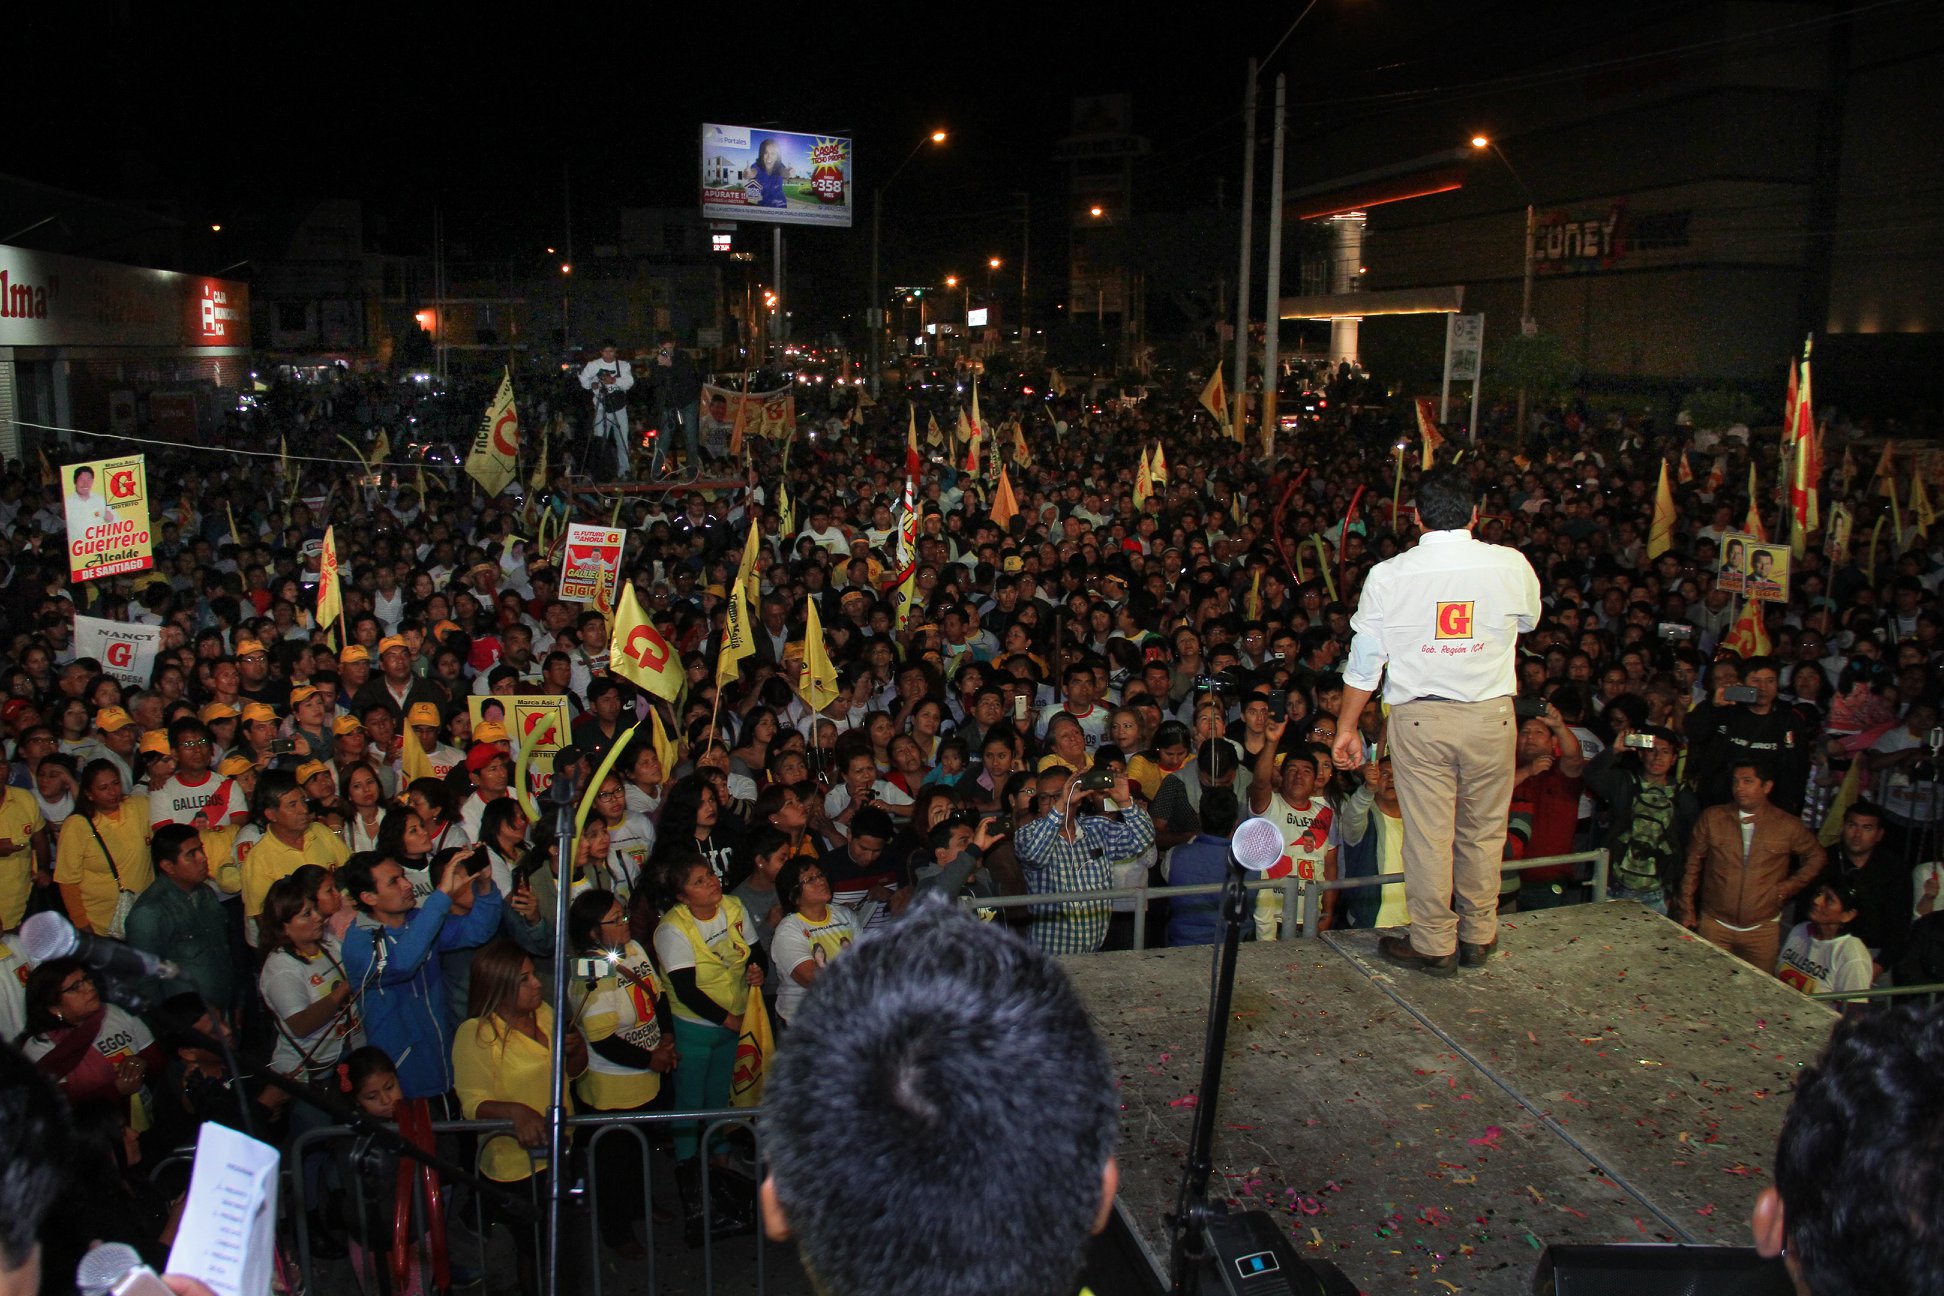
pixel 752 173
pixel 48 299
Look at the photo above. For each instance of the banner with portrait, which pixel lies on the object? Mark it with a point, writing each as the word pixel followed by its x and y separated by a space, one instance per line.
pixel 107 517
pixel 1731 565
pixel 522 714
pixel 769 414
pixel 590 564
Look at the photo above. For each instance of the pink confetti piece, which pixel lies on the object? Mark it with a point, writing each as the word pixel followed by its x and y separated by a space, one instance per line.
pixel 1489 1139
pixel 1186 1100
pixel 1705 1210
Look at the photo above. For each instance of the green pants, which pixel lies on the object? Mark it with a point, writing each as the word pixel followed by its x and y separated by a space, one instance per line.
pixel 702 1077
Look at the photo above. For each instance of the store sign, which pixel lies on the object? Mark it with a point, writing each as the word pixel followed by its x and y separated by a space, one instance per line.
pixel 1575 244
pixel 47 299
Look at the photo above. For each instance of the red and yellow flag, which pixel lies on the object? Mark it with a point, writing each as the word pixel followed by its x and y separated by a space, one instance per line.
pixel 1214 398
pixel 639 652
pixel 330 595
pixel 1749 635
pixel 1428 434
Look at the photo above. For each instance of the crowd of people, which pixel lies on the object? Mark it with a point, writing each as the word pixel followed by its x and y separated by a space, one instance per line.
pixel 1087 694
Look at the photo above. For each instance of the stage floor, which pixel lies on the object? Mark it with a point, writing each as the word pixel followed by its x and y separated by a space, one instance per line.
pixel 1608 1078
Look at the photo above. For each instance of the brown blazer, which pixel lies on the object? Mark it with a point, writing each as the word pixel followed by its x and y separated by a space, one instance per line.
pixel 1740 893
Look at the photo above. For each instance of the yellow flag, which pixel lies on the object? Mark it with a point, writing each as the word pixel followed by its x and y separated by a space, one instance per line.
pixel 667 750
pixel 1921 514
pixel 1057 383
pixel 380 450
pixel 746 577
pixel 413 764
pixel 978 425
pixel 1005 506
pixel 330 600
pixel 1836 542
pixel 963 432
pixel 1252 601
pixel 1022 453
pixel 47 474
pixel 495 458
pixel 933 436
pixel 1754 525
pixel 1660 534
pixel 1886 469
pixel 236 535
pixel 1158 466
pixel 538 481
pixel 820 673
pixel 1214 398
pixel 911 428
pixel 1143 481
pixel 785 513
pixel 1749 636
pixel 283 456
pixel 736 641
pixel 1685 474
pixel 637 651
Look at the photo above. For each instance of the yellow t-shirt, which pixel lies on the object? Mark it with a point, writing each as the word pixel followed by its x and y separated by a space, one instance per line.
pixel 20 819
pixel 270 860
pixel 496 1064
pixel 78 860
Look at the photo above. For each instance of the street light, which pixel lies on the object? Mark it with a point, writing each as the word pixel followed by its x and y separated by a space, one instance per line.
pixel 1095 212
pixel 874 317
pixel 1528 327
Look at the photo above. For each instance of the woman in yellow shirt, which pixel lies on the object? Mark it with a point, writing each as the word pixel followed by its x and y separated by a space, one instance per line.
pixel 102 862
pixel 502 1069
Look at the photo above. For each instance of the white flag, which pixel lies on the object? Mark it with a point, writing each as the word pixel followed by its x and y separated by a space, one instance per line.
pixel 126 652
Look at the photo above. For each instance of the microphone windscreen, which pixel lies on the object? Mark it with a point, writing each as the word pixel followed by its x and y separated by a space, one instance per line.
pixel 1257 844
pixel 104 1266
pixel 48 935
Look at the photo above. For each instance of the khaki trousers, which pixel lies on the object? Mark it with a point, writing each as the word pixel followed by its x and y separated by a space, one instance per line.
pixel 1453 762
pixel 1760 947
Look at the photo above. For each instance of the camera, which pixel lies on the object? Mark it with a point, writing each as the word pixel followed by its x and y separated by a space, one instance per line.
pixel 1094 780
pixel 1674 631
pixel 282 746
pixel 1738 693
pixel 1279 705
pixel 1002 824
pixel 1638 741
pixel 592 969
pixel 1530 708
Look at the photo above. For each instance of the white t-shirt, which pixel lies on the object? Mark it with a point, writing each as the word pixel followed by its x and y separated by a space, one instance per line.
pixel 630 843
pixel 838 800
pixel 1093 723
pixel 289 984
pixel 178 801
pixel 798 941
pixel 1819 966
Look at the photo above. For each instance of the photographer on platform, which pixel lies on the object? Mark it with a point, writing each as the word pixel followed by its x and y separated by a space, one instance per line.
pixel 610 379
pixel 678 394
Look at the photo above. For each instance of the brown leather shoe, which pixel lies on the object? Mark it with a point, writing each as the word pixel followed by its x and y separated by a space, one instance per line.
pixel 1471 956
pixel 1399 950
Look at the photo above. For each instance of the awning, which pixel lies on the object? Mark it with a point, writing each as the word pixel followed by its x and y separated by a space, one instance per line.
pixel 1448 300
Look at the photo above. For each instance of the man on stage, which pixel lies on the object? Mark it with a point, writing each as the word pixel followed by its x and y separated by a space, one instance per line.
pixel 1439 623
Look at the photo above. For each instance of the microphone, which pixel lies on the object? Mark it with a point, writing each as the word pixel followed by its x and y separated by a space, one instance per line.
pixel 49 935
pixel 1257 844
pixel 103 1267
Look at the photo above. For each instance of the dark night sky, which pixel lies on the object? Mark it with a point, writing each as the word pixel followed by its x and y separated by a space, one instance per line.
pixel 242 117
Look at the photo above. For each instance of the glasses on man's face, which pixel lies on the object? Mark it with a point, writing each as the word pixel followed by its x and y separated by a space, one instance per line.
pixel 616 919
pixel 188 743
pixel 609 794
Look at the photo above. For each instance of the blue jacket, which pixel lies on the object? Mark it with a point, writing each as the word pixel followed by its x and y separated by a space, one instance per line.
pixel 404 1000
pixel 1197 920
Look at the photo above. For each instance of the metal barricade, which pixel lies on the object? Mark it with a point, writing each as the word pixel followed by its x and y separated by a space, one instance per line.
pixel 1301 897
pixel 596 1128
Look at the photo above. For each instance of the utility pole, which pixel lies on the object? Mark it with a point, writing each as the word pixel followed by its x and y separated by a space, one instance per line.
pixel 1241 387
pixel 1272 317
pixel 1528 327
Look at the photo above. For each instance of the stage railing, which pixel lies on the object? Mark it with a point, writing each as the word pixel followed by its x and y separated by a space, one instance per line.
pixel 604 1126
pixel 1300 896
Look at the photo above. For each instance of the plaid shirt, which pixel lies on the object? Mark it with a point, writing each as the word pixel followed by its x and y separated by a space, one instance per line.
pixel 1053 864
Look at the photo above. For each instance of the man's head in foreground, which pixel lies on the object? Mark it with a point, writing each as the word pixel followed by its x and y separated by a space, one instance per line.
pixel 941 1117
pixel 1858 1203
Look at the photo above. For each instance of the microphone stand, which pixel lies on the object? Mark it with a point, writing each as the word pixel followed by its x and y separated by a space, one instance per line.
pixel 1188 1241
pixel 1250 1251
pixel 565 797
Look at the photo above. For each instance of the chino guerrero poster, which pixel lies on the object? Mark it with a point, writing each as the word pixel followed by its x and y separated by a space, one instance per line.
pixel 107 517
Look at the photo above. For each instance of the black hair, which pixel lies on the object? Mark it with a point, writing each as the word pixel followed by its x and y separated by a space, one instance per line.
pixel 872 822
pixel 34 1154
pixel 1219 811
pixel 584 917
pixel 364 1063
pixel 673 869
pixel 789 882
pixel 354 875
pixel 908 1066
pixel 1764 772
pixel 1860 1164
pixel 168 842
pixel 1445 499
